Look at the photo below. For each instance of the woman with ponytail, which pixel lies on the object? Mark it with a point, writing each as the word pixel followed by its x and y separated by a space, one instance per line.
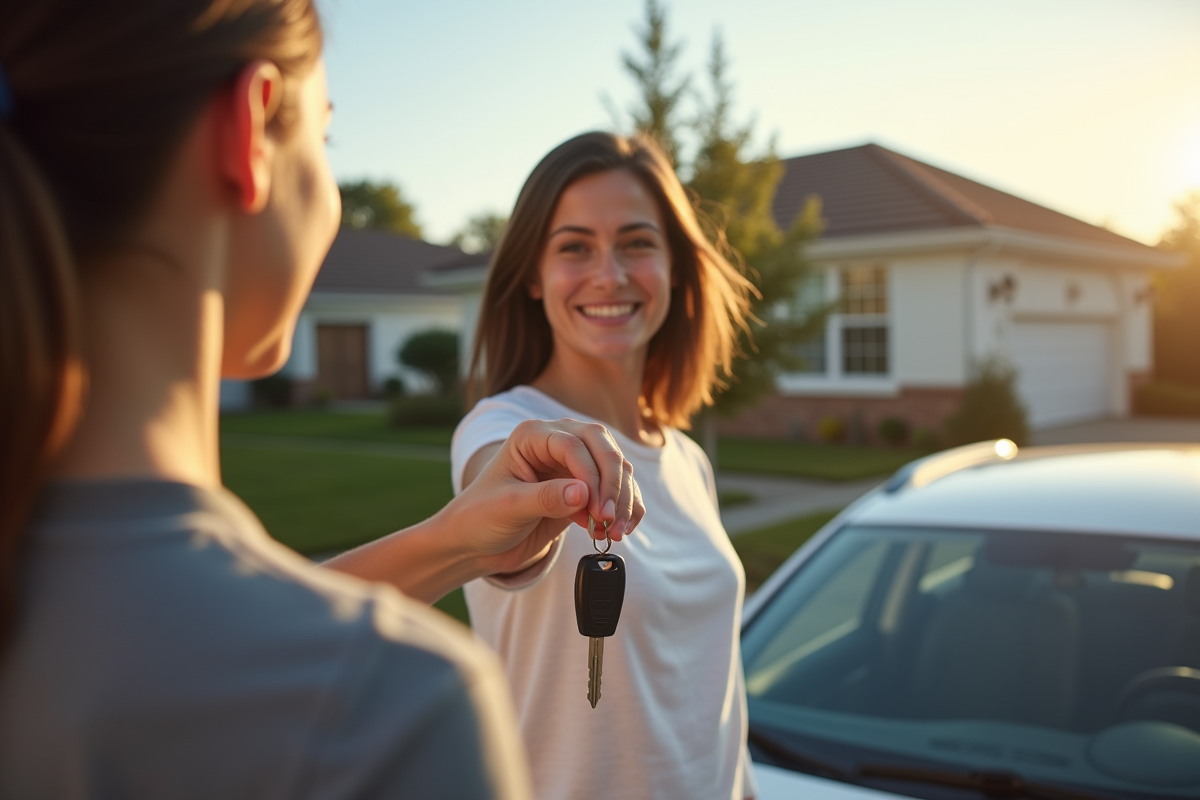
pixel 165 203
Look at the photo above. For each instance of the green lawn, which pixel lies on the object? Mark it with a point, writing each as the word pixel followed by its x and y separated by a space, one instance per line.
pixel 834 462
pixel 325 502
pixel 370 427
pixel 763 550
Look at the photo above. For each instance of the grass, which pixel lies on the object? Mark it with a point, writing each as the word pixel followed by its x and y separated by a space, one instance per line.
pixel 763 550
pixel 732 498
pixel 323 502
pixel 806 460
pixel 371 427
pixel 319 503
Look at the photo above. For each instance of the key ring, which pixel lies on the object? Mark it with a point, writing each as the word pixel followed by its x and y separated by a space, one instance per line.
pixel 592 535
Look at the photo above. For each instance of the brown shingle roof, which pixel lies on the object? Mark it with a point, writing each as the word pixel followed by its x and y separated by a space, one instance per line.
pixel 870 189
pixel 377 262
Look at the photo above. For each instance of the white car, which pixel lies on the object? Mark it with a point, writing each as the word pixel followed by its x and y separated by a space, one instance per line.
pixel 989 623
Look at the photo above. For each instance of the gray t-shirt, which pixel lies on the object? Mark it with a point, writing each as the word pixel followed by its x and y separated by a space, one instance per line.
pixel 166 647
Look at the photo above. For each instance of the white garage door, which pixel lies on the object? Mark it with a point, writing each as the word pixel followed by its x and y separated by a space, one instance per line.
pixel 1062 370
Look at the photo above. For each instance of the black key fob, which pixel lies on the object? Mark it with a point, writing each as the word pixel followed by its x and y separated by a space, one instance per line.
pixel 599 593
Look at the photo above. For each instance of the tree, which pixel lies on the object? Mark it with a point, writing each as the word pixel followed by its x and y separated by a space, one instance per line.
pixel 434 353
pixel 1176 323
pixel 378 206
pixel 657 112
pixel 734 188
pixel 482 233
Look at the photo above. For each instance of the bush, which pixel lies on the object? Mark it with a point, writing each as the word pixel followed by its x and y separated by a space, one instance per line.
pixel 434 353
pixel 393 387
pixel 322 397
pixel 424 409
pixel 990 408
pixel 273 391
pixel 893 431
pixel 926 440
pixel 1167 399
pixel 831 429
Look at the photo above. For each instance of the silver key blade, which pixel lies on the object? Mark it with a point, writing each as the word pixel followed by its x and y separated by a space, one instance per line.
pixel 595 667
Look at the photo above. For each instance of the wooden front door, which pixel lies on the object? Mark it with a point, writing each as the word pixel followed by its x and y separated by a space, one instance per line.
pixel 342 360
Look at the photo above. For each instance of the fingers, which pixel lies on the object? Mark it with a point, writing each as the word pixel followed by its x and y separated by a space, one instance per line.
pixel 588 452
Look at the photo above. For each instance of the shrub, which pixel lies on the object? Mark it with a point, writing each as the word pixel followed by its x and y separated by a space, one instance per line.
pixel 831 429
pixel 990 408
pixel 424 409
pixel 393 387
pixel 273 391
pixel 1167 399
pixel 926 439
pixel 322 397
pixel 893 431
pixel 435 354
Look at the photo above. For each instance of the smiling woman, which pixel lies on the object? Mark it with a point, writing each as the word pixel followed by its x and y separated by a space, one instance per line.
pixel 605 302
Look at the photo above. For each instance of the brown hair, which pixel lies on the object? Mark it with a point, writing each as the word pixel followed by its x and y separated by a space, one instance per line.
pixel 102 94
pixel 710 296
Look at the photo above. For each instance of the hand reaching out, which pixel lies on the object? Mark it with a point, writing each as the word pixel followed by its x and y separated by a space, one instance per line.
pixel 521 494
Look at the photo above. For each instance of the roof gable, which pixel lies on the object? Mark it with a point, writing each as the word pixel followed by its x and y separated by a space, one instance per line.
pixel 870 189
pixel 378 262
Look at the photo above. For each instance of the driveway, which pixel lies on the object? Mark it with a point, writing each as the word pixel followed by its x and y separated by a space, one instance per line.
pixel 1130 429
pixel 780 499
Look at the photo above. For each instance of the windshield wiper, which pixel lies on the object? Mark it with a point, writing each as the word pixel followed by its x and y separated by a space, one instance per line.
pixel 795 759
pixel 994 783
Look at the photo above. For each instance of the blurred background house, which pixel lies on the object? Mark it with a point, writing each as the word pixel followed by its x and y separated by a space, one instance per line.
pixel 368 299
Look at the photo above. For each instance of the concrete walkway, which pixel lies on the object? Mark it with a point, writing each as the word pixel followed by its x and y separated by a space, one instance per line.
pixel 1130 429
pixel 780 499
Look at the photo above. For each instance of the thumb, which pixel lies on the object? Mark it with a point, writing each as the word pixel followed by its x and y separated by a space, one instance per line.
pixel 555 499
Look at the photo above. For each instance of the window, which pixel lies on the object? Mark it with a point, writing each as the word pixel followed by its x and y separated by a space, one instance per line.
pixel 811 298
pixel 864 350
pixel 864 320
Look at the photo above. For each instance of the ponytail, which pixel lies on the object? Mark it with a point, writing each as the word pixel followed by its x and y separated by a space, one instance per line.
pixel 41 370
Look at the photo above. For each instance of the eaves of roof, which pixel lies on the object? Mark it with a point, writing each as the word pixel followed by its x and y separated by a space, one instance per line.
pixel 993 239
pixel 870 190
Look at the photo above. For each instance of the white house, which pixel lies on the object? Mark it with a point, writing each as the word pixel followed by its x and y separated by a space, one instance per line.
pixel 367 300
pixel 936 272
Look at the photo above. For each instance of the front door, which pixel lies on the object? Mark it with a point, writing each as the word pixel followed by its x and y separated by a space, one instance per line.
pixel 342 360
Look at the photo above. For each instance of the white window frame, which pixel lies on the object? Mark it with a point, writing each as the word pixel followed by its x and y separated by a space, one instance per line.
pixel 834 381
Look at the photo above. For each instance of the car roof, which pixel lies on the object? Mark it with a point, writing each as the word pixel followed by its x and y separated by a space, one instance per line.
pixel 1139 489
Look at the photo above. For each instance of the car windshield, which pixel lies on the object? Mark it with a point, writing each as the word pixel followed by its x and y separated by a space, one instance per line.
pixel 1069 659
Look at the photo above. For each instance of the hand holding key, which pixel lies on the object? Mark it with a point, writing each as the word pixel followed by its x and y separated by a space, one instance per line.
pixel 599 594
pixel 523 493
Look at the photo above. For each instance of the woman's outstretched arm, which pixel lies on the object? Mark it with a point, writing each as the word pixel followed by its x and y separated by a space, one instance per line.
pixel 545 470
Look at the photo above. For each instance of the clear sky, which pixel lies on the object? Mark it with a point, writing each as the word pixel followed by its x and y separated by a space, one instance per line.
pixel 1091 107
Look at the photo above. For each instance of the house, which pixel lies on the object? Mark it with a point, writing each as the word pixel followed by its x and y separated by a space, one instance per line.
pixel 366 301
pixel 935 272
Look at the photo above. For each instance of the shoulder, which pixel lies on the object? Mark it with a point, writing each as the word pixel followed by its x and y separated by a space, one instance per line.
pixel 695 457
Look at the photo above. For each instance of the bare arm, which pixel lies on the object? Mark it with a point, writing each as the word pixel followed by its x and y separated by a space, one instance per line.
pixel 518 496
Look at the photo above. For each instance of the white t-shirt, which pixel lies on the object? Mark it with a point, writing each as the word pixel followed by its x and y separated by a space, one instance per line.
pixel 671 722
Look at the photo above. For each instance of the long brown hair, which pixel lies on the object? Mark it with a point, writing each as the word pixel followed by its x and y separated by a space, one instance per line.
pixel 101 94
pixel 690 355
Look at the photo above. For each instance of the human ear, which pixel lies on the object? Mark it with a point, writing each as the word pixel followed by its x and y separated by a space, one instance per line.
pixel 535 289
pixel 246 152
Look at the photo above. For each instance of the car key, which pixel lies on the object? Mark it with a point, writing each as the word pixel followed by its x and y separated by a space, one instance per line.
pixel 599 593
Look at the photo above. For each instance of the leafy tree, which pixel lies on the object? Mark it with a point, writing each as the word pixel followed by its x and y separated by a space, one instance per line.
pixel 378 206
pixel 658 110
pixel 482 233
pixel 735 187
pixel 1176 323
pixel 434 353
pixel 990 408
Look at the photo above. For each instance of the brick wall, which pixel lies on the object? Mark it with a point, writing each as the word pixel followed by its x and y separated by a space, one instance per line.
pixel 791 417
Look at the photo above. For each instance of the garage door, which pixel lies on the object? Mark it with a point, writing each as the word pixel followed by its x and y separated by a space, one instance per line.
pixel 1062 370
